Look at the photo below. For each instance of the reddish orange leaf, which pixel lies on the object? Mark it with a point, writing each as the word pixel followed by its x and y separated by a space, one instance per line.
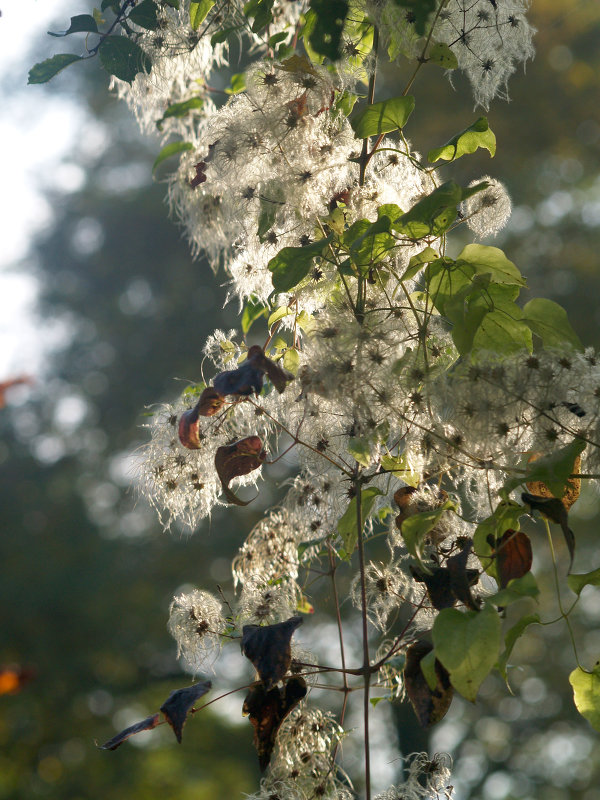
pixel 513 556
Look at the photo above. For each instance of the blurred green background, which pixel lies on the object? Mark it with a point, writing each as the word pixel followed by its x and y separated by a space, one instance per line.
pixel 87 574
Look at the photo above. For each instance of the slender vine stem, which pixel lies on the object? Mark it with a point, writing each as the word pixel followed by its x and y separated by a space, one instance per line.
pixel 365 627
pixel 564 615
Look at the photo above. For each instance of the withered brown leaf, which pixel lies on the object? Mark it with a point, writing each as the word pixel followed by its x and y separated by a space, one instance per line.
pixel 267 709
pixel 278 376
pixel 268 647
pixel 461 578
pixel 513 556
pixel 178 704
pixel 234 460
pixel 210 402
pixel 145 725
pixel 430 706
pixel 402 500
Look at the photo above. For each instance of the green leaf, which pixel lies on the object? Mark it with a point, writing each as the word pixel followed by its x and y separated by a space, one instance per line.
pixel 372 245
pixel 398 466
pixel 345 102
pixel 467 644
pixel 145 15
pixel 326 31
pixel 292 264
pixel 169 150
pixel 577 582
pixel 468 141
pixel 443 56
pixel 434 214
pixel 291 360
pixel 376 700
pixel 82 23
pixel 549 321
pixel 253 310
pixel 306 322
pixel 360 449
pixel 506 517
pixel 199 12
pixel 45 70
pixel 555 469
pixel 586 694
pixel 178 110
pixel 172 3
pixel 427 665
pixel 278 314
pixel 238 83
pixel 383 117
pixel 502 332
pixel 416 263
pixel 511 637
pixel 477 293
pixel 222 36
pixel 515 590
pixel 269 206
pixel 421 11
pixel 260 12
pixel 415 528
pixel 347 525
pixel 123 58
pixel 486 260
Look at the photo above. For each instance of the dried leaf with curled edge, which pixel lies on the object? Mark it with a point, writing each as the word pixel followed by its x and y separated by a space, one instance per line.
pixel 243 381
pixel 267 710
pixel 234 460
pixel 208 405
pixel 430 705
pixel 572 488
pixel 513 556
pixel 554 510
pixel 178 704
pixel 461 578
pixel 402 500
pixel 211 401
pixel 278 376
pixel 437 583
pixel 147 724
pixel 268 647
pixel 189 429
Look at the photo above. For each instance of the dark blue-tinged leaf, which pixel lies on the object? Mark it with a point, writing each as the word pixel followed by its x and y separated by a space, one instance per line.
pixel 123 58
pixel 326 32
pixel 418 13
pixel 145 15
pixel 179 703
pixel 82 23
pixel 147 724
pixel 45 70
pixel 260 12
